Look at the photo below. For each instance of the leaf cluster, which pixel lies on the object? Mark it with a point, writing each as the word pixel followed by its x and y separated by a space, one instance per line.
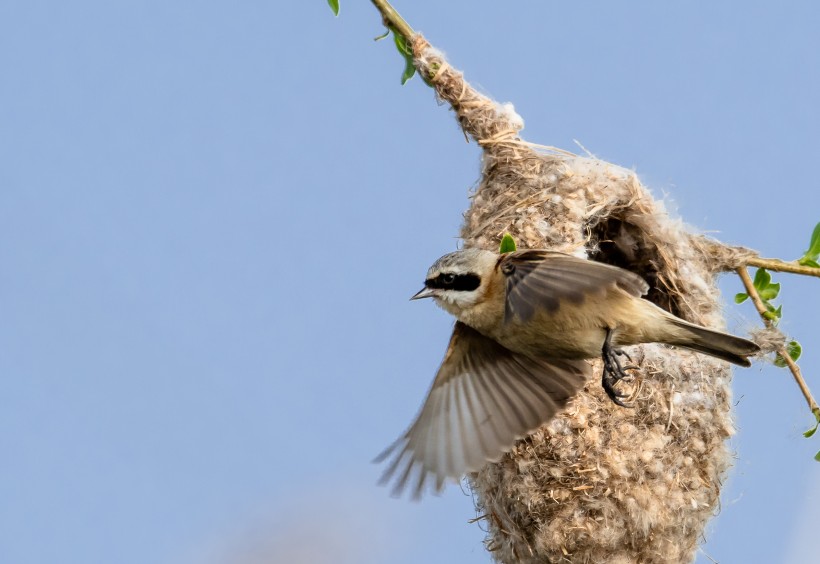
pixel 768 291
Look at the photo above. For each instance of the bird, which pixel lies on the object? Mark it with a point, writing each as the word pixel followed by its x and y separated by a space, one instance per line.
pixel 526 322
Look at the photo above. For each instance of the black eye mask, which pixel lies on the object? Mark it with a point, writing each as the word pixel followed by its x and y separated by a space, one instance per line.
pixel 458 282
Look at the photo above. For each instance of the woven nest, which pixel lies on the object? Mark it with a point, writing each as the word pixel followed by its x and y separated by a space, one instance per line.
pixel 599 483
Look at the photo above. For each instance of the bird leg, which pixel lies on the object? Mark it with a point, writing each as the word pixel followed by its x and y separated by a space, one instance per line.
pixel 614 371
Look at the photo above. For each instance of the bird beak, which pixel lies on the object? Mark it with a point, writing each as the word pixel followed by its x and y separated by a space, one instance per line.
pixel 424 293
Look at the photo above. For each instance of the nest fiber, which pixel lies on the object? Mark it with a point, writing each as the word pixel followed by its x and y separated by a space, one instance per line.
pixel 599 483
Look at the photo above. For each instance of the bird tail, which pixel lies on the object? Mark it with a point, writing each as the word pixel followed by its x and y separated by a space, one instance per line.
pixel 721 345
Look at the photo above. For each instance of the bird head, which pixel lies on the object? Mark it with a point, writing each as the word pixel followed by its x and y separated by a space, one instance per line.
pixel 458 281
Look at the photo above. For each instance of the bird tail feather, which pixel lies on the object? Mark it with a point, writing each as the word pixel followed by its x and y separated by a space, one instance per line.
pixel 714 343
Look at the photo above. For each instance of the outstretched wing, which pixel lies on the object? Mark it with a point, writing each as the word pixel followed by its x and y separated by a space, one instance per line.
pixel 546 279
pixel 483 399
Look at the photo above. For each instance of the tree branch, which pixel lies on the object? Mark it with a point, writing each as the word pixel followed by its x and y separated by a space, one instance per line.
pixel 761 309
pixel 392 19
pixel 783 266
pixel 727 257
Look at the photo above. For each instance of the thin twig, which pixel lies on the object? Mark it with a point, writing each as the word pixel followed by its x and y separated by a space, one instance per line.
pixel 728 257
pixel 392 19
pixel 761 309
pixel 783 266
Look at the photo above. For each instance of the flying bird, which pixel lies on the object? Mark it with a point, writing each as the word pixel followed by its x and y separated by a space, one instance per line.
pixel 526 322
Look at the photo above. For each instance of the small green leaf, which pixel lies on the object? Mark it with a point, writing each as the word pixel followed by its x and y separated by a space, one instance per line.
pixel 770 292
pixel 401 44
pixel 810 256
pixel 762 279
pixel 409 71
pixel 507 244
pixel 794 350
pixel 808 262
pixel 817 456
pixel 334 5
pixel 383 35
pixel 772 312
pixel 741 297
pixel 813 430
pixel 814 244
pixel 406 52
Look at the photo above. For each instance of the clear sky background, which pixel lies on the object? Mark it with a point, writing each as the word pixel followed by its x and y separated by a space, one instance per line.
pixel 212 215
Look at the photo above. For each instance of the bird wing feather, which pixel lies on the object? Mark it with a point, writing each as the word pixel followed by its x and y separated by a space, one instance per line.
pixel 482 400
pixel 545 279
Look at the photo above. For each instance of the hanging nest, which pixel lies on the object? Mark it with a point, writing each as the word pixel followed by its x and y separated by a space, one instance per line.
pixel 599 483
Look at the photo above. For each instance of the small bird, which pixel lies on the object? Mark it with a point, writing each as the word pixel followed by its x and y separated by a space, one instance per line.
pixel 526 322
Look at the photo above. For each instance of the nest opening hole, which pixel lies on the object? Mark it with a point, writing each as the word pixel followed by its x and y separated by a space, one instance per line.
pixel 615 241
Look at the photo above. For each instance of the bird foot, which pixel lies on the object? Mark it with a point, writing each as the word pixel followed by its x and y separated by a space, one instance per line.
pixel 614 371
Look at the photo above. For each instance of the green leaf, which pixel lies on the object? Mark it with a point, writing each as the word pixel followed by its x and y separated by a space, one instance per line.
pixel 507 244
pixel 334 5
pixel 741 297
pixel 406 52
pixel 762 279
pixel 808 262
pixel 814 245
pixel 817 456
pixel 813 430
pixel 401 45
pixel 409 71
pixel 794 351
pixel 383 35
pixel 773 313
pixel 769 292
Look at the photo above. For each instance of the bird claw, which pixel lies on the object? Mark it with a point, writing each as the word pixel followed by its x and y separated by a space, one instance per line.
pixel 613 370
pixel 621 352
pixel 608 382
pixel 615 395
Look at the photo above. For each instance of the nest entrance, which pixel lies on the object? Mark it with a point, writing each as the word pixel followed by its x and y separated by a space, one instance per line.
pixel 615 241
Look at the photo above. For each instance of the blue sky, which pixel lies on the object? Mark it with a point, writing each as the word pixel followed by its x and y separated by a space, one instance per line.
pixel 212 215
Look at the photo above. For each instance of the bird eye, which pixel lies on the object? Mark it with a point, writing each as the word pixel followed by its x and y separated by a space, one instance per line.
pixel 448 278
